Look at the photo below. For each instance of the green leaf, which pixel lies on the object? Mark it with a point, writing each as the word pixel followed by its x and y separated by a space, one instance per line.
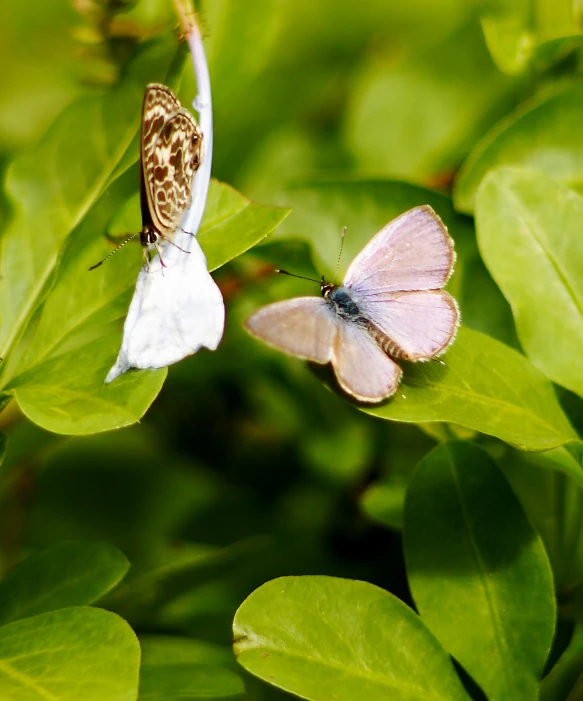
pixel 166 682
pixel 484 385
pixel 564 676
pixel 383 502
pixel 143 593
pixel 173 649
pixel 546 135
pixel 55 185
pixel 550 488
pixel 68 655
pixel 323 638
pixel 70 574
pixel 478 571
pixel 517 30
pixel 436 105
pixel 66 394
pixel 529 232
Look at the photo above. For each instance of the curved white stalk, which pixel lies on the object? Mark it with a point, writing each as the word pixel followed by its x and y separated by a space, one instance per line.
pixel 178 309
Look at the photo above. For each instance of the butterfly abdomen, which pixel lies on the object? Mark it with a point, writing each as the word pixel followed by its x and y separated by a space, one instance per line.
pixel 386 344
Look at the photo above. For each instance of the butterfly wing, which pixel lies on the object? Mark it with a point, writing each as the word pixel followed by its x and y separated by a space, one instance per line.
pixel 361 367
pixel 171 152
pixel 305 327
pixel 412 252
pixel 396 281
pixel 413 325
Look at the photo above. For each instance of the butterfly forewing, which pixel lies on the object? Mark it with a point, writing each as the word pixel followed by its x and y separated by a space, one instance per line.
pixel 396 281
pixel 171 153
pixel 412 252
pixel 304 326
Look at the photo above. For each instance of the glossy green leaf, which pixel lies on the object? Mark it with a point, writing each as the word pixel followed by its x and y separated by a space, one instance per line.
pixel 68 655
pixel 516 29
pixel 436 105
pixel 166 682
pixel 529 232
pixel 546 135
pixel 70 574
pixel 484 385
pixel 323 637
pixel 55 185
pixel 66 394
pixel 478 571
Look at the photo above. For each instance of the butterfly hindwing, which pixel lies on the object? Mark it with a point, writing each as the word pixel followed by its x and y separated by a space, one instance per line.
pixel 420 325
pixel 361 367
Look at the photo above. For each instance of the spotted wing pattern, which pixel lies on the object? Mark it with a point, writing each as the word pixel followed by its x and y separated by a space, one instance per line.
pixel 171 153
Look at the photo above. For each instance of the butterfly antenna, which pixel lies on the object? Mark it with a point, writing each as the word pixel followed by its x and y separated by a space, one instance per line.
pixel 115 250
pixel 301 277
pixel 340 254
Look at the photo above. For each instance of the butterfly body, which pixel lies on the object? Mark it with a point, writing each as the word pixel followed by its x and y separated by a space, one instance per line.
pixel 389 307
pixel 342 302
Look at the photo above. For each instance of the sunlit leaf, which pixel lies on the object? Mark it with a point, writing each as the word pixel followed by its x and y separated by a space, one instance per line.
pixel 68 655
pixel 478 571
pixel 67 393
pixel 484 385
pixel 322 638
pixel 546 135
pixel 529 231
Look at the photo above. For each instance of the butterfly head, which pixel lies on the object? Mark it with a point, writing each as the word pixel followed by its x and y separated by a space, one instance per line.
pixel 327 288
pixel 148 236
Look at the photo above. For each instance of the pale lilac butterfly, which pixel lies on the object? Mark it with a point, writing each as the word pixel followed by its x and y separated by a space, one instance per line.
pixel 390 307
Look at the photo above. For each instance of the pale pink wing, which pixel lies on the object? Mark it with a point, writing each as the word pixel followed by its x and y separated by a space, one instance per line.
pixel 304 326
pixel 413 252
pixel 420 325
pixel 361 367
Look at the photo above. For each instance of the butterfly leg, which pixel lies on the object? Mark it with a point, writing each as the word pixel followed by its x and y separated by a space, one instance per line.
pixel 175 246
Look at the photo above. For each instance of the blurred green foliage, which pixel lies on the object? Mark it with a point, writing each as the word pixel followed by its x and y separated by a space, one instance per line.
pixel 240 470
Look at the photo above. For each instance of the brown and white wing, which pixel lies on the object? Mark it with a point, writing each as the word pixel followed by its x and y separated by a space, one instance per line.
pixel 362 369
pixel 171 152
pixel 305 327
pixel 159 104
pixel 175 159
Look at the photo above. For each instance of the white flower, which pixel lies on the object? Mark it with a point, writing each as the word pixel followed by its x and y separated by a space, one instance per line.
pixel 177 309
